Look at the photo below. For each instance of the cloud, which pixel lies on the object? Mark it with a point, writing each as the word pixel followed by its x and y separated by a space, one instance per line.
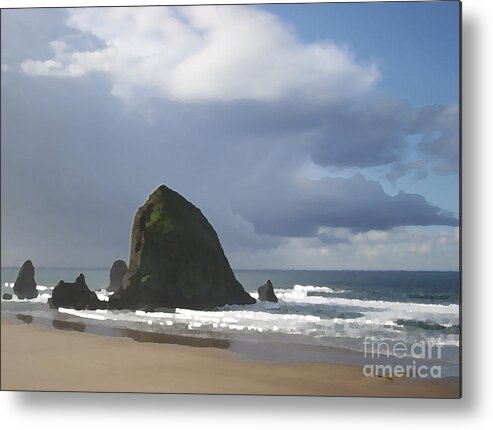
pixel 343 133
pixel 379 131
pixel 331 239
pixel 243 54
pixel 362 134
pixel 440 141
pixel 432 236
pixel 400 169
pixel 83 161
pixel 444 151
pixel 205 53
pixel 448 237
pixel 353 203
pixel 429 248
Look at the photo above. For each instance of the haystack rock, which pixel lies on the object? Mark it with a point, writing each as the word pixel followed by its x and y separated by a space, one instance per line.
pixel 25 285
pixel 117 271
pixel 75 295
pixel 266 292
pixel 176 259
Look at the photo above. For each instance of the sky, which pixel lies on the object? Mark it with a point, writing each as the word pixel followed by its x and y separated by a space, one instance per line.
pixel 311 136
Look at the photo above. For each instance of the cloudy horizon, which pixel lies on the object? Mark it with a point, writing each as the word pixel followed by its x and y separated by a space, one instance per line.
pixel 311 136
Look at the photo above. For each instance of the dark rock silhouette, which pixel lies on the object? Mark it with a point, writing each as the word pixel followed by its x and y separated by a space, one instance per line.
pixel 117 271
pixel 176 259
pixel 7 296
pixel 25 285
pixel 266 292
pixel 75 295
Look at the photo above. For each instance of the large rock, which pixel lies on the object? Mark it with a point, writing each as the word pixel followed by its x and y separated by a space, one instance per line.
pixel 266 292
pixel 117 271
pixel 25 285
pixel 176 259
pixel 75 295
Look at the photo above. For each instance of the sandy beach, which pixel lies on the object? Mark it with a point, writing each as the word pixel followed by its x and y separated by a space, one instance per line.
pixel 36 357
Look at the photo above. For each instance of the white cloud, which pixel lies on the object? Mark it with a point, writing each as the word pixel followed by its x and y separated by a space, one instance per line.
pixel 206 53
pixel 430 248
pixel 43 68
pixel 432 236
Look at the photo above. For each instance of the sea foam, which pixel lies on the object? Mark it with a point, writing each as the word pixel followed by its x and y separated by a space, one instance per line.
pixel 300 311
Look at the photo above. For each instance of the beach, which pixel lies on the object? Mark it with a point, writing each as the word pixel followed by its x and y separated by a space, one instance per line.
pixel 336 309
pixel 40 358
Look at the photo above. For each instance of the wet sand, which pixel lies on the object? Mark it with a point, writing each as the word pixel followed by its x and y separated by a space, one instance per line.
pixel 38 358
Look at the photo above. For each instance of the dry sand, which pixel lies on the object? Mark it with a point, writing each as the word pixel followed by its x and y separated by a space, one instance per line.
pixel 36 357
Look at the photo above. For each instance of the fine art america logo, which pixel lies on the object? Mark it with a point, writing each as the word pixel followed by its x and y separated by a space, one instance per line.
pixel 411 356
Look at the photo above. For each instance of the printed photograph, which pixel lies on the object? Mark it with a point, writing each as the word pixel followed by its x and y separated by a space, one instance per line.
pixel 256 199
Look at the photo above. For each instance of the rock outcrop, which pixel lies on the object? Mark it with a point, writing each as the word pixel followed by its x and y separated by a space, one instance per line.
pixel 266 292
pixel 176 259
pixel 75 295
pixel 117 271
pixel 25 285
pixel 7 296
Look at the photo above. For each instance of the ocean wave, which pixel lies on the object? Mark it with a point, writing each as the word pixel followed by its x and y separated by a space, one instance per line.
pixel 423 296
pixel 314 312
pixel 299 295
pixel 312 288
pixel 429 325
pixel 93 315
pixel 41 298
pixel 244 321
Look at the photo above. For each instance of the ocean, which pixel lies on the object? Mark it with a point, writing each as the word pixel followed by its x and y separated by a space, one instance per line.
pixel 321 316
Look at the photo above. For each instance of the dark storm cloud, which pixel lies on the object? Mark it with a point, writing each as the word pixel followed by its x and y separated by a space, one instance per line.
pixel 376 133
pixel 330 239
pixel 82 162
pixel 341 133
pixel 444 150
pixel 77 161
pixel 354 203
pixel 400 169
pixel 59 197
pixel 362 136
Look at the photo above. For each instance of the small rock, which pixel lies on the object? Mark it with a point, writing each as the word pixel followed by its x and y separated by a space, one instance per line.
pixel 25 285
pixel 266 292
pixel 117 271
pixel 7 296
pixel 75 295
